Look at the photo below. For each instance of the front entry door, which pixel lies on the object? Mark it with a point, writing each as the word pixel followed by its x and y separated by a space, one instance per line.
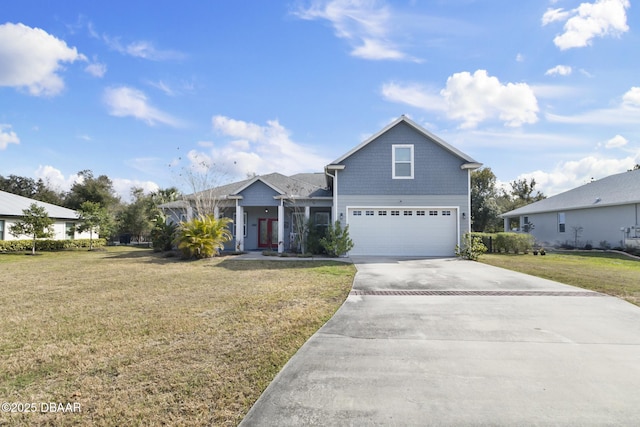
pixel 267 233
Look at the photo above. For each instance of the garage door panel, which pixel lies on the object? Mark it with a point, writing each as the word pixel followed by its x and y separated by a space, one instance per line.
pixel 423 232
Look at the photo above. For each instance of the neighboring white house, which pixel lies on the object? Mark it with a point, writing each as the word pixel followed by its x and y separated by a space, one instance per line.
pixel 603 212
pixel 12 205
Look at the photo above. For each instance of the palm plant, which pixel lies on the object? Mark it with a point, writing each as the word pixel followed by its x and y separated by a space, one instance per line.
pixel 203 237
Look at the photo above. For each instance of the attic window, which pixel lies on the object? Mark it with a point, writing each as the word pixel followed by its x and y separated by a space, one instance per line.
pixel 402 161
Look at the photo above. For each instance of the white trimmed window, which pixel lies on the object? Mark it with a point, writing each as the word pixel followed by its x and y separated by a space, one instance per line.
pixel 357 213
pixel 561 222
pixel 433 213
pixel 420 213
pixel 369 213
pixel 395 213
pixel 446 213
pixel 408 213
pixel 402 161
pixel 322 219
pixel 244 226
pixel 382 213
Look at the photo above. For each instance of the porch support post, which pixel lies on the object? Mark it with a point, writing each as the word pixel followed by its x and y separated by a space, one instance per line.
pixel 281 226
pixel 216 212
pixel 506 224
pixel 239 226
pixel 307 215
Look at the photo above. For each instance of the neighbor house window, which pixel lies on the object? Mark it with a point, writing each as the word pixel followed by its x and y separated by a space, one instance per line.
pixel 402 158
pixel 561 222
pixel 1 229
pixel 69 229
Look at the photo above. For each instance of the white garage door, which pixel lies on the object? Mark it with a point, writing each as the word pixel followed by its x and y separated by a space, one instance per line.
pixel 403 231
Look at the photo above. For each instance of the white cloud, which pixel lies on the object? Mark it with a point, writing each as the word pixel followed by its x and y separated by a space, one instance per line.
pixel 252 148
pixel 632 97
pixel 627 112
pixel 365 24
pixel 123 186
pixel 7 136
pixel 55 178
pixel 479 97
pixel 140 49
pixel 125 101
pixel 561 70
pixel 471 99
pixel 553 15
pixel 96 69
pixel 616 142
pixel 589 20
pixel 31 58
pixel 520 57
pixel 572 174
pixel 415 95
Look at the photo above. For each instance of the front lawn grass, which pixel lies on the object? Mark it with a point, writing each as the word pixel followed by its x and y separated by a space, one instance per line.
pixel 138 339
pixel 606 272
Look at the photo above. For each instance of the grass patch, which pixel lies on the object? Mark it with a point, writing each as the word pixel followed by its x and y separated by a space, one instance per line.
pixel 138 339
pixel 609 273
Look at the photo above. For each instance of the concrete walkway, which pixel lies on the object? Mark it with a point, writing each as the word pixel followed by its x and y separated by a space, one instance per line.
pixel 451 342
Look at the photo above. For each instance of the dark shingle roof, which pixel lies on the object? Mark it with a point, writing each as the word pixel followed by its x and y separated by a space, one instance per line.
pixel 619 189
pixel 302 185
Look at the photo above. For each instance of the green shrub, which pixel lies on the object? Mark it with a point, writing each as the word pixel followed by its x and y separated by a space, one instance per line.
pixel 337 242
pixel 513 242
pixel 472 247
pixel 314 235
pixel 203 237
pixel 48 244
pixel 163 235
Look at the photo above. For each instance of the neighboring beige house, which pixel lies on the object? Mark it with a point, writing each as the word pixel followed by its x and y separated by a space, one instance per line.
pixel 606 210
pixel 12 205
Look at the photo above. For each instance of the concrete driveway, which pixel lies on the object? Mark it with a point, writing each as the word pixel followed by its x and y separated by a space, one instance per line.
pixel 452 342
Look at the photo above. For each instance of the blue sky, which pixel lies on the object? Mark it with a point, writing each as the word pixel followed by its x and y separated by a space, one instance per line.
pixel 142 90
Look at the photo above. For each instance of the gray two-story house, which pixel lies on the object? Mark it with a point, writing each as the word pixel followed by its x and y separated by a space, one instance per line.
pixel 402 192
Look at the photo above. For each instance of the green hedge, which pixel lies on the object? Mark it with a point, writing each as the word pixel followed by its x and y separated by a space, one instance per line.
pixel 507 242
pixel 48 245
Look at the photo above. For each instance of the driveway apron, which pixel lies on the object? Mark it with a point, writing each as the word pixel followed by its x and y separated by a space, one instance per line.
pixel 451 342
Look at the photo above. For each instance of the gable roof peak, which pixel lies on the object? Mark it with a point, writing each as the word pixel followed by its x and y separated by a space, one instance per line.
pixel 404 119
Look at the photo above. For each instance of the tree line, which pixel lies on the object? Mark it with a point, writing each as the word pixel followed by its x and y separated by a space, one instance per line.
pixel 97 202
pixel 488 201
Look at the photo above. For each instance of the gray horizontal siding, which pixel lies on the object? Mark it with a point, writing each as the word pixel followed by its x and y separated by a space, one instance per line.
pixel 436 170
pixel 259 194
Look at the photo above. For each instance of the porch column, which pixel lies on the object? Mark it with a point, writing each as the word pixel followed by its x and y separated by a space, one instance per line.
pixel 506 224
pixel 281 226
pixel 239 226
pixel 216 212
pixel 307 215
